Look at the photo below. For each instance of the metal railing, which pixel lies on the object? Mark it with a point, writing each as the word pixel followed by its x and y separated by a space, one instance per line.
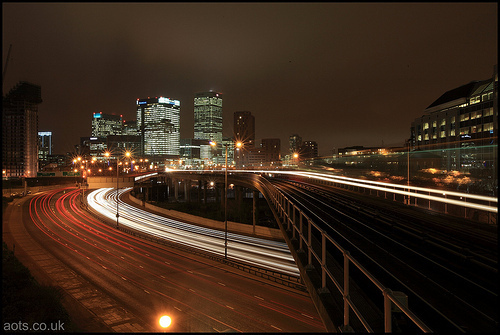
pixel 295 220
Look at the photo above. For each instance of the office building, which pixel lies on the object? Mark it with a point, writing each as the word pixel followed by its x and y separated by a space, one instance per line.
pixel 208 116
pixel 20 131
pixel 461 126
pixel 295 142
pixel 158 123
pixel 92 146
pixel 122 143
pixel 272 149
pixel 194 152
pixel 104 125
pixel 45 147
pixel 309 150
pixel 130 128
pixel 244 132
pixel 244 128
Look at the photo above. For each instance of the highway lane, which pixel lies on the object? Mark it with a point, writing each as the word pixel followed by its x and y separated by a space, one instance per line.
pixel 268 254
pixel 148 279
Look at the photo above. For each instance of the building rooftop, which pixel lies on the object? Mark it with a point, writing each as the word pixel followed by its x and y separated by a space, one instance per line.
pixel 465 91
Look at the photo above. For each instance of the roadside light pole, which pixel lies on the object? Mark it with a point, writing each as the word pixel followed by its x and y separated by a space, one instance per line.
pixel 117 215
pixel 238 145
pixel 127 154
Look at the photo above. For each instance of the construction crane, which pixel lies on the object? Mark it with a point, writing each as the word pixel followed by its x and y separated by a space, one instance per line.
pixel 6 63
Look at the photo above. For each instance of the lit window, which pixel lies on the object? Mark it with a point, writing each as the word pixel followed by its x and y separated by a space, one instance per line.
pixel 464 117
pixel 426 125
pixel 475 100
pixel 488 126
pixel 443 122
pixel 426 137
pixel 488 111
pixel 443 133
pixel 434 124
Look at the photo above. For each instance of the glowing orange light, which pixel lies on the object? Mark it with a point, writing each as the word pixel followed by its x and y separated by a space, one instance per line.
pixel 165 321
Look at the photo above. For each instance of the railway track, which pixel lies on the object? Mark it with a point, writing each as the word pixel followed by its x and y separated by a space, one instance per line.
pixel 447 267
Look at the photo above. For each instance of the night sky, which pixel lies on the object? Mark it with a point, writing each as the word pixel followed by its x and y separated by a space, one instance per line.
pixel 339 74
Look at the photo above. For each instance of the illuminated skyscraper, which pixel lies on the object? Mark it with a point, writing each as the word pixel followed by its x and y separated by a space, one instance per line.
pixel 208 116
pixel 158 123
pixel 106 124
pixel 20 131
pixel 45 146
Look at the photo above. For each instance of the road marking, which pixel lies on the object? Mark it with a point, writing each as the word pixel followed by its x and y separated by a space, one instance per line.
pixel 258 297
pixel 276 328
pixel 221 284
pixel 147 255
pixel 162 276
pixel 177 308
pixel 189 271
pixel 307 315
pixel 105 268
pixel 142 267
pixel 147 292
pixel 192 290
pixel 229 307
pixel 124 278
pixel 122 257
pixel 167 263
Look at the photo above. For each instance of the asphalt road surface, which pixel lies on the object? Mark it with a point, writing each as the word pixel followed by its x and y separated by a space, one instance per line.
pixel 126 283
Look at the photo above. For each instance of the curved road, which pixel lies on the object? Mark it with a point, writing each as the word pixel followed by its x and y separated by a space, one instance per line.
pixel 127 283
pixel 263 253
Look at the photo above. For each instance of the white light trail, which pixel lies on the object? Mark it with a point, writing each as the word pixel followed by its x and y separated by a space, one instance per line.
pixel 272 255
pixel 438 195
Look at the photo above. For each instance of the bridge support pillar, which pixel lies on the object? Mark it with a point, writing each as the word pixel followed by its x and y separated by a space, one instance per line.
pixel 187 189
pixel 222 188
pixel 176 189
pixel 199 191
pixel 205 192
pixel 217 193
pixel 254 209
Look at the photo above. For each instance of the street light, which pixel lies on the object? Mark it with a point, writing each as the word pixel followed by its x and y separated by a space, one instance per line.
pixel 127 154
pixel 238 145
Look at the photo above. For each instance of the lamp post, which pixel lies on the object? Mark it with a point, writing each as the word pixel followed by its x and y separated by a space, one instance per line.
pixel 238 145
pixel 127 154
pixel 117 215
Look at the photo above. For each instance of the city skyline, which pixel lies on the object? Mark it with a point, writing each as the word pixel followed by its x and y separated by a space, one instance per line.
pixel 337 74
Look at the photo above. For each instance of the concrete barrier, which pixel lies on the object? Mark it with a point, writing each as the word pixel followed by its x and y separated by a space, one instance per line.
pixel 104 182
pixel 6 192
pixel 233 227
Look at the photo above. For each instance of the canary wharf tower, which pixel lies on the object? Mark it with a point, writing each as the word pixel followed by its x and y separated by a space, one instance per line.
pixel 208 116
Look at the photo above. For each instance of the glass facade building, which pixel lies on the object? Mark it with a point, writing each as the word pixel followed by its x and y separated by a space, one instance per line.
pixel 462 124
pixel 208 116
pixel 44 146
pixel 158 124
pixel 104 125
